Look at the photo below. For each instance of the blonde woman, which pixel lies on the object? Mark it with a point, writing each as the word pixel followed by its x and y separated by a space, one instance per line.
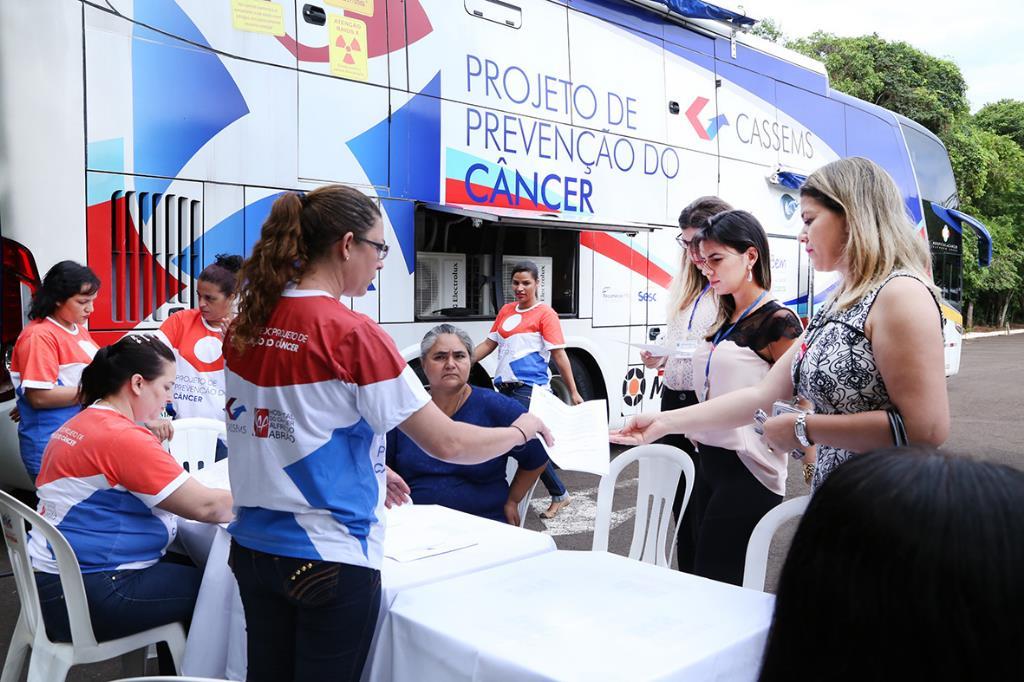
pixel 871 360
pixel 692 309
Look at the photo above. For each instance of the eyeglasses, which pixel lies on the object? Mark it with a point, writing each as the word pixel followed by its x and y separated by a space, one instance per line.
pixel 382 248
pixel 683 242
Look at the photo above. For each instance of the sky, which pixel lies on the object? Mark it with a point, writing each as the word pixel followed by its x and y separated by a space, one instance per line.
pixel 983 37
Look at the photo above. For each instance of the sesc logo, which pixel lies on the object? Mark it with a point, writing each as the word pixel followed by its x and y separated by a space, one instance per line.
pixel 261 422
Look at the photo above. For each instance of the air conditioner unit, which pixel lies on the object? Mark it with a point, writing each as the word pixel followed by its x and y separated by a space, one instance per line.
pixel 440 282
pixel 544 266
pixel 479 282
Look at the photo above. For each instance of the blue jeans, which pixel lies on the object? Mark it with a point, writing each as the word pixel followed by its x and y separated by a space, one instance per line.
pixel 122 603
pixel 549 478
pixel 305 619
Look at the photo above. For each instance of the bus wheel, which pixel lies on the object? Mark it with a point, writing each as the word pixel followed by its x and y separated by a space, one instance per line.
pixel 580 374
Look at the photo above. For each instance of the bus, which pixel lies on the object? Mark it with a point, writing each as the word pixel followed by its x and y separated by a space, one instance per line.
pixel 143 138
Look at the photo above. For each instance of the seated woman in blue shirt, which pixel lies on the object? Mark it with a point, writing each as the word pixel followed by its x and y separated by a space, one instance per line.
pixel 446 355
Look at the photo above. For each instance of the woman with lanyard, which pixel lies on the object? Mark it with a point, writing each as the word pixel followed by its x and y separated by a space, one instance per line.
pixel 49 357
pixel 871 361
pixel 528 335
pixel 322 386
pixel 197 338
pixel 691 311
pixel 739 479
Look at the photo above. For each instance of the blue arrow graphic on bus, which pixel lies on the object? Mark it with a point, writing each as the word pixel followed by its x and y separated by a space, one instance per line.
pixel 716 124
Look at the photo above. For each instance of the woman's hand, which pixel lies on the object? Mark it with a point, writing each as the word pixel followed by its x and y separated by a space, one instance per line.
pixel 576 398
pixel 512 512
pixel 640 429
pixel 533 427
pixel 15 414
pixel 397 489
pixel 650 361
pixel 780 434
pixel 161 428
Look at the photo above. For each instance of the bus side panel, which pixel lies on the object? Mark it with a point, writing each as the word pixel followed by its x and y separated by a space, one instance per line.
pixel 42 141
pixel 872 137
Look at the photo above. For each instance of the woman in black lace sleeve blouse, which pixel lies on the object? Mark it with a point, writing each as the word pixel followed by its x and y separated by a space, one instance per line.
pixel 740 478
pixel 873 353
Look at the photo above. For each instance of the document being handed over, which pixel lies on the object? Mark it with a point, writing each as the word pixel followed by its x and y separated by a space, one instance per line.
pixel 580 432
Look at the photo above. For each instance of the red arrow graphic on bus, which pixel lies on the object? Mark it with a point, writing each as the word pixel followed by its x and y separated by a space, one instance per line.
pixel 691 116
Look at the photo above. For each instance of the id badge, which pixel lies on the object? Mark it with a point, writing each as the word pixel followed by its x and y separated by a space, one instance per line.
pixel 685 349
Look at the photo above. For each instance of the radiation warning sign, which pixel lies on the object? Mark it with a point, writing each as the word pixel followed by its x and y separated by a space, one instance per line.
pixel 364 7
pixel 348 48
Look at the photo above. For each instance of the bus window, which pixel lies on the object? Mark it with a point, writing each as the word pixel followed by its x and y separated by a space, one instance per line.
pixel 463 265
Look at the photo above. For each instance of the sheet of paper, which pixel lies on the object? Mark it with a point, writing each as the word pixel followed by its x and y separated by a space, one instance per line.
pixel 655 349
pixel 214 476
pixel 409 542
pixel 580 431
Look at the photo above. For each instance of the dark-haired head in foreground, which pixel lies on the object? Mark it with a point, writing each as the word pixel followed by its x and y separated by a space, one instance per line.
pixel 908 565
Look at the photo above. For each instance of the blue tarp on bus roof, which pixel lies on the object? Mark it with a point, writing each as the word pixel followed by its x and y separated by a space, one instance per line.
pixel 695 9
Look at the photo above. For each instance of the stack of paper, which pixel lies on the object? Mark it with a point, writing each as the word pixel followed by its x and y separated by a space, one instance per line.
pixel 580 432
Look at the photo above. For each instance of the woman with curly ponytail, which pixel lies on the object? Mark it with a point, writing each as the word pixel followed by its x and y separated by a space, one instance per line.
pixel 316 387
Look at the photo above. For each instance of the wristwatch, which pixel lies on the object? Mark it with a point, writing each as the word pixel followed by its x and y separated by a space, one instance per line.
pixel 800 430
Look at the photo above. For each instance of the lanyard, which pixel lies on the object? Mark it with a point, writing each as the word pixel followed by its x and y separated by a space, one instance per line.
pixel 693 311
pixel 721 336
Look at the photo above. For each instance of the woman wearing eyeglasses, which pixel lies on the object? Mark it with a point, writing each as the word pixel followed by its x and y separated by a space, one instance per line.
pixel 692 309
pixel 323 385
pixel 740 477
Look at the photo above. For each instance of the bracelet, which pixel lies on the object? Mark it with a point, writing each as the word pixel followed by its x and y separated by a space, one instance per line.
pixel 525 439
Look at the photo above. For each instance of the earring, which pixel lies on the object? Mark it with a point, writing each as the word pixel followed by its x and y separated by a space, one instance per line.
pixel 750 274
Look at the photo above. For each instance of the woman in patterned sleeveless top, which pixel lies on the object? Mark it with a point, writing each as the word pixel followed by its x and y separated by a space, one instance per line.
pixel 875 346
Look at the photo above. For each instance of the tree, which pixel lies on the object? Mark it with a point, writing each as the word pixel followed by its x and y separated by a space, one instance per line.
pixel 1005 117
pixel 894 75
pixel 769 29
pixel 995 285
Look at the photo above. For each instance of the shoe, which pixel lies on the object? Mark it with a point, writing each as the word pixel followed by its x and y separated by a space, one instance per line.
pixel 554 508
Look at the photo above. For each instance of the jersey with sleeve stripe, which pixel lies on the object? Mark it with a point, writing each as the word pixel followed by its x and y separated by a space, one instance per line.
pixel 525 340
pixel 46 355
pixel 199 352
pixel 309 404
pixel 101 480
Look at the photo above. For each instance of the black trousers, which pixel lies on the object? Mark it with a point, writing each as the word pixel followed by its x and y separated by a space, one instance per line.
pixel 727 503
pixel 686 541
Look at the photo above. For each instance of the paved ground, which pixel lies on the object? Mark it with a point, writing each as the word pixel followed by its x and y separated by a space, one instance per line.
pixel 987 406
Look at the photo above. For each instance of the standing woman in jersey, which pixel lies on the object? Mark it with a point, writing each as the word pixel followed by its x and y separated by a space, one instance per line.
pixel 871 361
pixel 322 386
pixel 528 335
pixel 50 354
pixel 692 309
pixel 740 478
pixel 197 338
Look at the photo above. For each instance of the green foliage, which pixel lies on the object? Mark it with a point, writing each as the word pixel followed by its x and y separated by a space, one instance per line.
pixel 768 29
pixel 894 75
pixel 1005 117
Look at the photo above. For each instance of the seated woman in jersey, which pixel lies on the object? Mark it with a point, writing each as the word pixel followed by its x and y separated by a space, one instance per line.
pixel 50 354
pixel 197 338
pixel 446 355
pixel 113 492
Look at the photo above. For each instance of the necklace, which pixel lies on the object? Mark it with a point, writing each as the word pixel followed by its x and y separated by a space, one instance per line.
pixel 466 390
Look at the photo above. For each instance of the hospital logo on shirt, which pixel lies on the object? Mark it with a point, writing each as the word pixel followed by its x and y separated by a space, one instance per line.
pixel 273 424
pixel 261 423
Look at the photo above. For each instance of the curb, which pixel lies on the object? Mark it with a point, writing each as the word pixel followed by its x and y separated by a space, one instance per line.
pixel 982 335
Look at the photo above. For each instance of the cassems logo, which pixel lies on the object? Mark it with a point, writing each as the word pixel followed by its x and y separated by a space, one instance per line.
pixel 233 412
pixel 789 206
pixel 261 422
pixel 714 124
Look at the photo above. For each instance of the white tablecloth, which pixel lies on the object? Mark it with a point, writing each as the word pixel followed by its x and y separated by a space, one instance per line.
pixel 216 640
pixel 576 616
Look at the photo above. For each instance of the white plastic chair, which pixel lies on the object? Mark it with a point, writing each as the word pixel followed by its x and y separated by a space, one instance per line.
pixel 755 568
pixel 50 661
pixel 524 504
pixel 194 443
pixel 660 468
